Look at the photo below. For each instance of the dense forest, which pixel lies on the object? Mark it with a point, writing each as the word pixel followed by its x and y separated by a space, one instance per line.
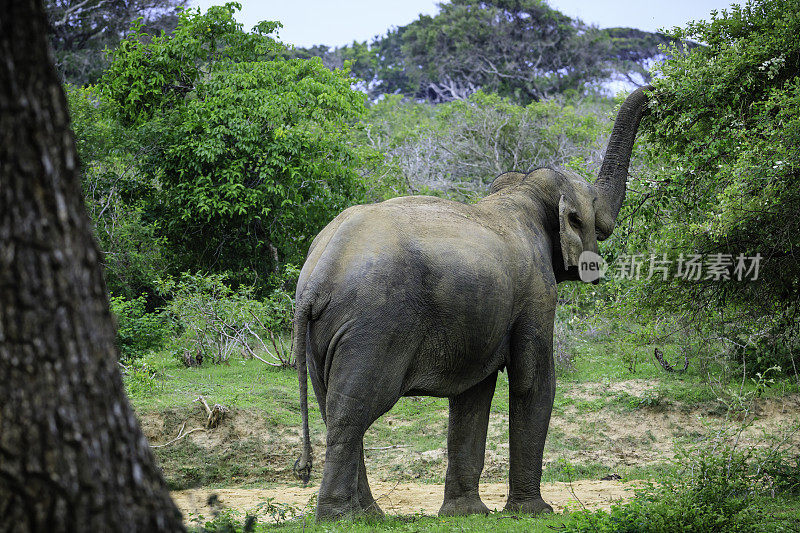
pixel 211 155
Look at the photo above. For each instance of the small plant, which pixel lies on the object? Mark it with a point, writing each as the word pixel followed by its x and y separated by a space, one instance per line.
pixel 278 512
pixel 630 355
pixel 649 400
pixel 138 332
pixel 141 375
pixel 214 322
pixel 228 521
pixel 231 521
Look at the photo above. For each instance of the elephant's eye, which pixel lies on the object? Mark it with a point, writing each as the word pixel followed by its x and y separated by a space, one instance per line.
pixel 575 220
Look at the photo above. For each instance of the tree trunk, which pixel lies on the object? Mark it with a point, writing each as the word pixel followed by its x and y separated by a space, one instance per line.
pixel 72 455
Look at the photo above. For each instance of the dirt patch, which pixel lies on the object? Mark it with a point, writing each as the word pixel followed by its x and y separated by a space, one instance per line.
pixel 407 498
pixel 246 449
pixel 592 391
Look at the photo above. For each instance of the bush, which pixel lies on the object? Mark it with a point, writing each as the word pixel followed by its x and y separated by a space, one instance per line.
pixel 723 158
pixel 711 494
pixel 138 332
pixel 212 321
pixel 143 374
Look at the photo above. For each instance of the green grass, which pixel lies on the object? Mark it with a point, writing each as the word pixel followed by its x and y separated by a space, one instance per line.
pixel 775 514
pixel 492 522
pixel 496 521
pixel 243 383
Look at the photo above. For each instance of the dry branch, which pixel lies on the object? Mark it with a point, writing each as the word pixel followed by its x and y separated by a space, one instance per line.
pixel 215 414
pixel 181 434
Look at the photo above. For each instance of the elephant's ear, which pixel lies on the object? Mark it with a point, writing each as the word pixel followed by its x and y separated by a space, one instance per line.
pixel 507 179
pixel 571 243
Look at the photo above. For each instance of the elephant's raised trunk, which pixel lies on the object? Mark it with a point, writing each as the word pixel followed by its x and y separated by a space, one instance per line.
pixel 613 175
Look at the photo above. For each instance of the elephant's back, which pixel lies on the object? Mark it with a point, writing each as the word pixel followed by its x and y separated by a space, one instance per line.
pixel 405 241
pixel 416 279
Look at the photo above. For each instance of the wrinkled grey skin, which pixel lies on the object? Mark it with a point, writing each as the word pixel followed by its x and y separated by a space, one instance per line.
pixel 425 296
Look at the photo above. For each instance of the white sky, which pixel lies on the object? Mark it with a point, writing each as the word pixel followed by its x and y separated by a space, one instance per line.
pixel 339 22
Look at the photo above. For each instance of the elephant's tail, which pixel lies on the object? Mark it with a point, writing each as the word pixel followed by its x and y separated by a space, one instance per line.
pixel 302 467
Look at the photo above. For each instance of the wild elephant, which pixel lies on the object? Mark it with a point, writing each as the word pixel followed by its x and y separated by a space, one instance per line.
pixel 425 296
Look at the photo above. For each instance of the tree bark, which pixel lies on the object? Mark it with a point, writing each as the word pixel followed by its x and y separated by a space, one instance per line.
pixel 72 455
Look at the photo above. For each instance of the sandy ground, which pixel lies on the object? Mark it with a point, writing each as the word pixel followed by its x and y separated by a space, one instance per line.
pixel 408 498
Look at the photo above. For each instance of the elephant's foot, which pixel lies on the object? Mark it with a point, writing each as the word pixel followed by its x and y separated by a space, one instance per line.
pixel 372 509
pixel 329 509
pixel 465 505
pixel 532 506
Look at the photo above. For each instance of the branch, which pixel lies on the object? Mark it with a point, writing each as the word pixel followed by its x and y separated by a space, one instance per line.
pixel 215 413
pixel 181 434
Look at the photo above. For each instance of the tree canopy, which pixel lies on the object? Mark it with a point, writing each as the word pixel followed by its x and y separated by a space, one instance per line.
pixel 228 156
pixel 522 49
pixel 724 167
pixel 81 30
pixel 519 48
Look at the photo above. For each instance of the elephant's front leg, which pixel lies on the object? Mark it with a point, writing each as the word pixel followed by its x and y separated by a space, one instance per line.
pixel 532 384
pixel 466 446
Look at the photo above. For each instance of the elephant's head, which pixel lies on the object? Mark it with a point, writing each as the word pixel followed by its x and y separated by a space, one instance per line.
pixel 579 213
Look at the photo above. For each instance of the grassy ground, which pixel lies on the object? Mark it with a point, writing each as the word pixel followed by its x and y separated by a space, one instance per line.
pixel 616 413
pixel 418 523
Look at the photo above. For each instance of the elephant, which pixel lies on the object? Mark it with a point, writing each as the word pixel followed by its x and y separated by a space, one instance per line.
pixel 420 295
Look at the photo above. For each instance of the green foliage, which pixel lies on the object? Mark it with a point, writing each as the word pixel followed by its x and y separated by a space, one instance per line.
pixel 138 332
pixel 711 494
pixel 212 322
pixel 114 189
pixel 722 177
pixel 144 376
pixel 259 163
pixel 280 302
pixel 665 513
pixel 246 155
pixel 379 67
pixel 150 73
pixel 269 511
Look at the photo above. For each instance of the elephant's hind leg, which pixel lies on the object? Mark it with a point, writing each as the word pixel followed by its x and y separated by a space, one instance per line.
pixel 532 385
pixel 368 504
pixel 466 446
pixel 338 492
pixel 352 404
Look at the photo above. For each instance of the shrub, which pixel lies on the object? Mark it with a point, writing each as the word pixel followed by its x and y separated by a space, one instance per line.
pixel 247 156
pixel 212 321
pixel 142 375
pixel 138 332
